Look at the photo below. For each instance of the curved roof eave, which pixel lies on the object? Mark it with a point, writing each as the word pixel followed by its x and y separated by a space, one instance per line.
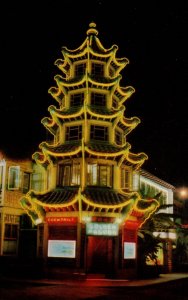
pixel 107 116
pixel 79 49
pixel 46 150
pixel 63 114
pixel 91 203
pixel 104 154
pixel 63 81
pixel 39 157
pixel 136 158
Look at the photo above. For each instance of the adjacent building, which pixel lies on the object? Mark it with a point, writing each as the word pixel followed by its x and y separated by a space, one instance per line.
pixel 15 176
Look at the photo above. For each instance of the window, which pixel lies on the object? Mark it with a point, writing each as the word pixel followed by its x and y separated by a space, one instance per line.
pixel 97 69
pixel 37 182
pixel 99 175
pixel 99 133
pixel 75 174
pixel 73 133
pixel 126 179
pixel 92 174
pixel 26 182
pixel 104 175
pixel 80 69
pixel 69 174
pixel 1 176
pixel 77 99
pixel 98 99
pixel 14 178
pixel 2 168
pixel 10 239
pixel 66 175
pixel 11 231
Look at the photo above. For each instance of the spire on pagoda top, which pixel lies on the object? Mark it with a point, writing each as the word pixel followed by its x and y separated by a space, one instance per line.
pixel 92 29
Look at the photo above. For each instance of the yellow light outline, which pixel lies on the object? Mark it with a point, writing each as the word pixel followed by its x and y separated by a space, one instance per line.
pixel 87 201
pixel 101 115
pixel 104 153
pixel 47 151
pixel 59 113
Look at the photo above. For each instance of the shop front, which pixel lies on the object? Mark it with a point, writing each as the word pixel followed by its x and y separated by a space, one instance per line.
pixel 99 247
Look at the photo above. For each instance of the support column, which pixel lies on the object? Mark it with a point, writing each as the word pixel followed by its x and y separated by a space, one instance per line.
pixel 2 229
pixel 78 245
pixel 45 241
pixel 168 256
pixel 129 251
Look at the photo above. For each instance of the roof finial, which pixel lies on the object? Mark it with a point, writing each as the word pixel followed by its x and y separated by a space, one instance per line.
pixel 92 29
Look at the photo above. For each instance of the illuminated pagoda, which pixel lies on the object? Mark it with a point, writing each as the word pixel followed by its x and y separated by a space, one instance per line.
pixel 85 205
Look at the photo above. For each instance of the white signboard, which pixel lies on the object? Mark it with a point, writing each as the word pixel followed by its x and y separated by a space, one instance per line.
pixel 59 248
pixel 129 250
pixel 104 229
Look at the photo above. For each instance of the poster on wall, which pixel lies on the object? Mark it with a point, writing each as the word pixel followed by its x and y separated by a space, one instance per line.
pixel 129 250
pixel 61 248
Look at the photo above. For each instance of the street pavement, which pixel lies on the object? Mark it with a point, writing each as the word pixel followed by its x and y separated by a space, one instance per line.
pixel 167 286
pixel 101 282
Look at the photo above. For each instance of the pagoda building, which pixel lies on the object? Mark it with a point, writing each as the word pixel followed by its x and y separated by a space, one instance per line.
pixel 85 205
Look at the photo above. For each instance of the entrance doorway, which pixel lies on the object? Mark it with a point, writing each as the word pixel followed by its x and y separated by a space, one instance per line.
pixel 100 255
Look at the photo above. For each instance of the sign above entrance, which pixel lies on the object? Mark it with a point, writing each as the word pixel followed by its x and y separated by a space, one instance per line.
pixel 61 220
pixel 104 229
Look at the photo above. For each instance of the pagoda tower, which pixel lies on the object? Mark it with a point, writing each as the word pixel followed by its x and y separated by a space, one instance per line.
pixel 87 210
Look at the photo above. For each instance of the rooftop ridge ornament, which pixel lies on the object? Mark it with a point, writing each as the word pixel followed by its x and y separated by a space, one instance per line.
pixel 92 29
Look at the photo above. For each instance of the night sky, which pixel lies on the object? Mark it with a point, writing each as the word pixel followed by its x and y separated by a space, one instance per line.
pixel 151 34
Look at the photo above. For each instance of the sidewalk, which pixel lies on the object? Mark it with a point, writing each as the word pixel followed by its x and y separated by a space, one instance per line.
pixel 140 282
pixel 102 282
pixel 123 282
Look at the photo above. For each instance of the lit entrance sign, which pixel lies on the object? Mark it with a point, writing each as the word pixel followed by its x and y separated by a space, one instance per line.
pixel 129 250
pixel 104 229
pixel 61 220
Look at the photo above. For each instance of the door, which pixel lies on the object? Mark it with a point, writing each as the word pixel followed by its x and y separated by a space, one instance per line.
pixel 100 255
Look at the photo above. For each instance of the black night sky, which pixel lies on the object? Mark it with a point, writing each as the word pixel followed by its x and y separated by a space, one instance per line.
pixel 151 34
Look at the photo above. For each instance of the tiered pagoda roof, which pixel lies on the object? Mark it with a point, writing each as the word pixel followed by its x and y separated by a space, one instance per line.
pixel 85 198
